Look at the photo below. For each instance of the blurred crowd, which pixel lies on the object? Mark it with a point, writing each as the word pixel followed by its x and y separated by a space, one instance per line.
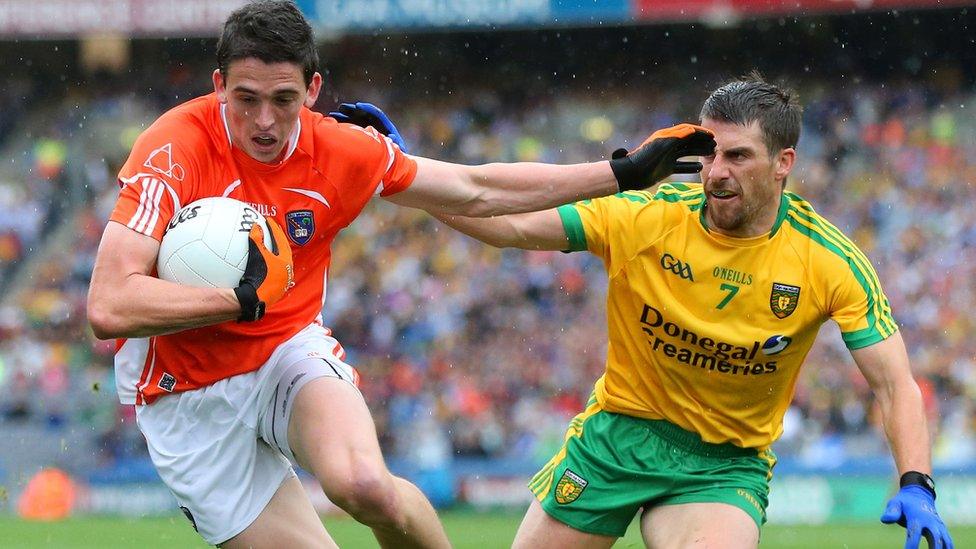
pixel 467 350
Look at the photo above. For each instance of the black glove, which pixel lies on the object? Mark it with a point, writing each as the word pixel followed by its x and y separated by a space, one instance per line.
pixel 657 157
pixel 268 274
pixel 367 114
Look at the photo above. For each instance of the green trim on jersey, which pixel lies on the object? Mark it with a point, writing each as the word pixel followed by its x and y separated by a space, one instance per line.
pixel 784 208
pixel 693 197
pixel 810 224
pixel 573 226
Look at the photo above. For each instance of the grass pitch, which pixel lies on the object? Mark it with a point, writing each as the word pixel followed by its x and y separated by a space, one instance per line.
pixel 467 530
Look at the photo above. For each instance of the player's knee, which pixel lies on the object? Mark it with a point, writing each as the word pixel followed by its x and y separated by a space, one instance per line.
pixel 369 495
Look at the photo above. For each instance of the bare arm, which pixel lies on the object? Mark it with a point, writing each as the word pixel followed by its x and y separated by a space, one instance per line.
pixel 124 301
pixel 529 231
pixel 499 189
pixel 886 368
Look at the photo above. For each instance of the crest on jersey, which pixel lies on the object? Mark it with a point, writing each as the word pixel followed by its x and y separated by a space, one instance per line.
pixel 783 299
pixel 161 162
pixel 300 226
pixel 569 487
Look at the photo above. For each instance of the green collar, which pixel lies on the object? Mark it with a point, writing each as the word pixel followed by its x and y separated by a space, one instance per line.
pixel 784 207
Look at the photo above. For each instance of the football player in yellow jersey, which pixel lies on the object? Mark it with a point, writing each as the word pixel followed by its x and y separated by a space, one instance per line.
pixel 716 293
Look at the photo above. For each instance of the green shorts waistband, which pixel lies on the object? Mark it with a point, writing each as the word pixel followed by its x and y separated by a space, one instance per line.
pixel 692 442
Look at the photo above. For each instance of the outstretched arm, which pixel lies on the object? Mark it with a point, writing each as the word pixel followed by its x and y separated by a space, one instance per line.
pixel 499 189
pixel 885 366
pixel 530 231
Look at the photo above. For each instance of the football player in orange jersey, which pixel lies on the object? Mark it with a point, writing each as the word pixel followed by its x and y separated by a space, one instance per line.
pixel 232 384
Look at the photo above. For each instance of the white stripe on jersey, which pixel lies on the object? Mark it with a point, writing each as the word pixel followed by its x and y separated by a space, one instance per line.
pixel 389 164
pixel 130 360
pixel 155 210
pixel 142 205
pixel 152 365
pixel 230 188
pixel 152 194
pixel 315 195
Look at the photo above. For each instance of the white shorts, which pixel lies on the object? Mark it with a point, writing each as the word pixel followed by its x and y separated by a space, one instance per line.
pixel 222 449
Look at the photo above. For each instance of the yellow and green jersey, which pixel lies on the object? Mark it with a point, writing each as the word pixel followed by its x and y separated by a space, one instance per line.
pixel 708 331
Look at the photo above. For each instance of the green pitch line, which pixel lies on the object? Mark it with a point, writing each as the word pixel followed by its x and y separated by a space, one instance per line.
pixel 467 530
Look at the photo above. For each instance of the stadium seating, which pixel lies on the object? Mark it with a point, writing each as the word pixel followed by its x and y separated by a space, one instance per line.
pixel 468 351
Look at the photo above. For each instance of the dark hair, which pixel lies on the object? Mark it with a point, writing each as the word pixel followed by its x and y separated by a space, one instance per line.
pixel 751 98
pixel 273 31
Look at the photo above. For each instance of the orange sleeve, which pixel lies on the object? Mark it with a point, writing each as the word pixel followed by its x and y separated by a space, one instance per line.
pixel 157 177
pixel 362 163
pixel 400 173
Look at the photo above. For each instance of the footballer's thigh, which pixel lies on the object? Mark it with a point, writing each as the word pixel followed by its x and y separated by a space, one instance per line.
pixel 538 529
pixel 332 435
pixel 289 520
pixel 700 525
pixel 318 419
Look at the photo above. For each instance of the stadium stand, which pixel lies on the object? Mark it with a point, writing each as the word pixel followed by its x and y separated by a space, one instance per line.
pixel 468 351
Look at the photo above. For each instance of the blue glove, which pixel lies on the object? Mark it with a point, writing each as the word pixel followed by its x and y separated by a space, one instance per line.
pixel 914 508
pixel 367 114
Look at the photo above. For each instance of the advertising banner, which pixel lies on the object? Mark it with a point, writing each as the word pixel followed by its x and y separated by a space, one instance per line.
pixel 69 18
pixel 386 15
pixel 730 10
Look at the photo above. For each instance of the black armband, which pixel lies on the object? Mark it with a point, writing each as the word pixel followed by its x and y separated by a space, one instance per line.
pixel 920 479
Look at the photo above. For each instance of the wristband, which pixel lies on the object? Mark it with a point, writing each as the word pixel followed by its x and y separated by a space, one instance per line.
pixel 919 479
pixel 252 308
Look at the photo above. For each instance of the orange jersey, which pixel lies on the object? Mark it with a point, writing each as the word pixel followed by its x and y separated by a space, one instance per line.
pixel 329 173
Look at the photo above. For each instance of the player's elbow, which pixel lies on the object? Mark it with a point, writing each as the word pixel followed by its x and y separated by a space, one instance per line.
pixel 105 323
pixel 478 204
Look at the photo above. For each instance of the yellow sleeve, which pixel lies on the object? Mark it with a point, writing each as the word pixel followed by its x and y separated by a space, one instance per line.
pixel 859 305
pixel 604 226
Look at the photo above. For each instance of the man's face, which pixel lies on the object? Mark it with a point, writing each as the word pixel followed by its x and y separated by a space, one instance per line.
pixel 742 181
pixel 263 102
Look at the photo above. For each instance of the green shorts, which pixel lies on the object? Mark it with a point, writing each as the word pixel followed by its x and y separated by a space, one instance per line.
pixel 612 465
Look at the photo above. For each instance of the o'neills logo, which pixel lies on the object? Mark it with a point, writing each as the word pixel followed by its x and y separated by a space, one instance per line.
pixel 679 344
pixel 264 209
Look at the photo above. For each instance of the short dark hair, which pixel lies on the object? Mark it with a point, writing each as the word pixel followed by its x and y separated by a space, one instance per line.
pixel 273 31
pixel 750 99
